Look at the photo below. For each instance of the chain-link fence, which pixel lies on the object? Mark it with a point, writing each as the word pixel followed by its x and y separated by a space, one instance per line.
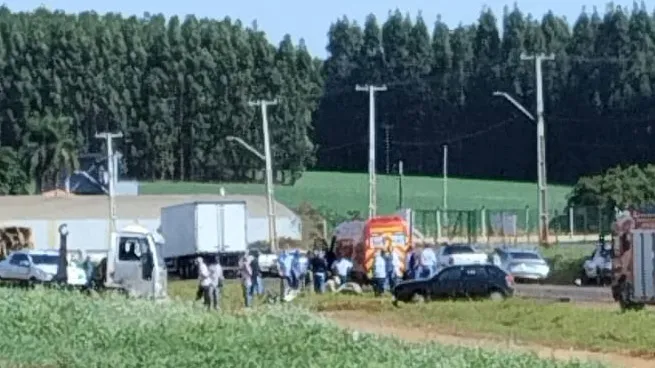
pixel 576 223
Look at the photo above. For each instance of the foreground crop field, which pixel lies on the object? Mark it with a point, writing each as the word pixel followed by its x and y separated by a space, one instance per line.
pixel 51 328
pixel 351 190
pixel 595 328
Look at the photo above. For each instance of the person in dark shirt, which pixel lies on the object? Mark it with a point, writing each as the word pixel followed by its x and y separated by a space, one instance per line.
pixel 319 267
pixel 257 282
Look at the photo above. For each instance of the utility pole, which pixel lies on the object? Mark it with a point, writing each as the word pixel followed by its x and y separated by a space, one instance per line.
pixel 400 184
pixel 111 173
pixel 541 144
pixel 270 201
pixel 372 193
pixel 445 183
pixel 387 145
pixel 445 177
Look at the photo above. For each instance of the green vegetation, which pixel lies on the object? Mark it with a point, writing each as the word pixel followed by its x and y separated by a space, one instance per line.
pixel 595 328
pixel 68 330
pixel 551 324
pixel 617 187
pixel 341 192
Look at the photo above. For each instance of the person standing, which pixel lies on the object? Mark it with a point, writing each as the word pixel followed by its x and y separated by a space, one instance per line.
pixel 284 270
pixel 246 279
pixel 204 281
pixel 318 267
pixel 216 286
pixel 379 272
pixel 342 268
pixel 396 270
pixel 258 283
pixel 428 263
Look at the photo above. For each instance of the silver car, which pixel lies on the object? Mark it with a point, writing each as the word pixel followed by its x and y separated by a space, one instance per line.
pixel 521 263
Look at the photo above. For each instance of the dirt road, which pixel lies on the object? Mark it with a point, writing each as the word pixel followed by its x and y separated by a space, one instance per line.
pixel 363 322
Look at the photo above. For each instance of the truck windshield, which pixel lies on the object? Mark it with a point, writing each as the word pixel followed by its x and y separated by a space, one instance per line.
pixel 45 259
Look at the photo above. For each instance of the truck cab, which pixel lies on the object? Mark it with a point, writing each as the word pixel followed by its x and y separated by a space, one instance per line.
pixel 134 264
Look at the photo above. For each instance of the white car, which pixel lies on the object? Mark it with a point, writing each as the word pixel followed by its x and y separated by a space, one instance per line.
pixel 459 255
pixel 522 264
pixel 37 266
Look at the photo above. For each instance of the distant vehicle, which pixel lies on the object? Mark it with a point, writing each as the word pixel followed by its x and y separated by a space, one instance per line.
pixel 523 264
pixel 597 268
pixel 37 266
pixel 468 281
pixel 267 263
pixel 461 254
pixel 204 229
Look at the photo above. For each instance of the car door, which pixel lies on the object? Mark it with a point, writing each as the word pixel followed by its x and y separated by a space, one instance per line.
pixel 446 284
pixel 475 281
pixel 19 267
pixel 130 258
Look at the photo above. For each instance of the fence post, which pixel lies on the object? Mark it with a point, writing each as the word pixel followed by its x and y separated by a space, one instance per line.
pixel 483 223
pixel 571 222
pixel 527 223
pixel 438 227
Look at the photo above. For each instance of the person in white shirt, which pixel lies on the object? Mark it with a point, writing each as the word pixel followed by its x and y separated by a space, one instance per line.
pixel 217 278
pixel 204 280
pixel 342 268
pixel 246 279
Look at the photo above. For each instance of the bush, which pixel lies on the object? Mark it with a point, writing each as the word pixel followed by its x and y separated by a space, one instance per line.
pixel 67 330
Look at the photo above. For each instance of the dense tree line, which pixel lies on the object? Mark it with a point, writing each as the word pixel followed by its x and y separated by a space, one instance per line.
pixel 177 88
pixel 598 93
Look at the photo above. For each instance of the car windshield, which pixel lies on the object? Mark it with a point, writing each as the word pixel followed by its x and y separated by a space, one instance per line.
pixel 525 255
pixel 458 250
pixel 45 259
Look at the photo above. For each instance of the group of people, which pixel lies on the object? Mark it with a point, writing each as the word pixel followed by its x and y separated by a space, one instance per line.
pixel 318 268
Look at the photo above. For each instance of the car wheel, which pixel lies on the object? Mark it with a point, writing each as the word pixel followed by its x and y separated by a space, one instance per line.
pixel 496 296
pixel 418 298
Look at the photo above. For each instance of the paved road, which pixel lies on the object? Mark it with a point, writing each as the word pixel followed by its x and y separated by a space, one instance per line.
pixel 565 293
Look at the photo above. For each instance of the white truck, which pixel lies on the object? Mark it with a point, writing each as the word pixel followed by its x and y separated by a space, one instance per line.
pixel 132 264
pixel 459 254
pixel 204 229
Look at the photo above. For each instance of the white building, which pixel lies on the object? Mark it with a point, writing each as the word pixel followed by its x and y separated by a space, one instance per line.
pixel 87 217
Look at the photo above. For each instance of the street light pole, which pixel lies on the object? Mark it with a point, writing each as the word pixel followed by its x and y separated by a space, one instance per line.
pixel 541 143
pixel 109 139
pixel 270 198
pixel 372 192
pixel 542 190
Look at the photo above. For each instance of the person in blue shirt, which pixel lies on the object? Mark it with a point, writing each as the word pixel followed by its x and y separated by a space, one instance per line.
pixel 428 261
pixel 388 280
pixel 284 270
pixel 379 272
pixel 410 265
pixel 342 268
pixel 319 268
pixel 296 270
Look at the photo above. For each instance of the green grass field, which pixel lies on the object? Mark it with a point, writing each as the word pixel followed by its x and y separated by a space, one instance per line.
pixel 49 328
pixel 342 192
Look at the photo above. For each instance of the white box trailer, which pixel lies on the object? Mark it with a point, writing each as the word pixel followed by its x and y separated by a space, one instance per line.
pixel 204 229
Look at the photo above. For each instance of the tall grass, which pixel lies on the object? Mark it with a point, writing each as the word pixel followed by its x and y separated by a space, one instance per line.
pixel 53 328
